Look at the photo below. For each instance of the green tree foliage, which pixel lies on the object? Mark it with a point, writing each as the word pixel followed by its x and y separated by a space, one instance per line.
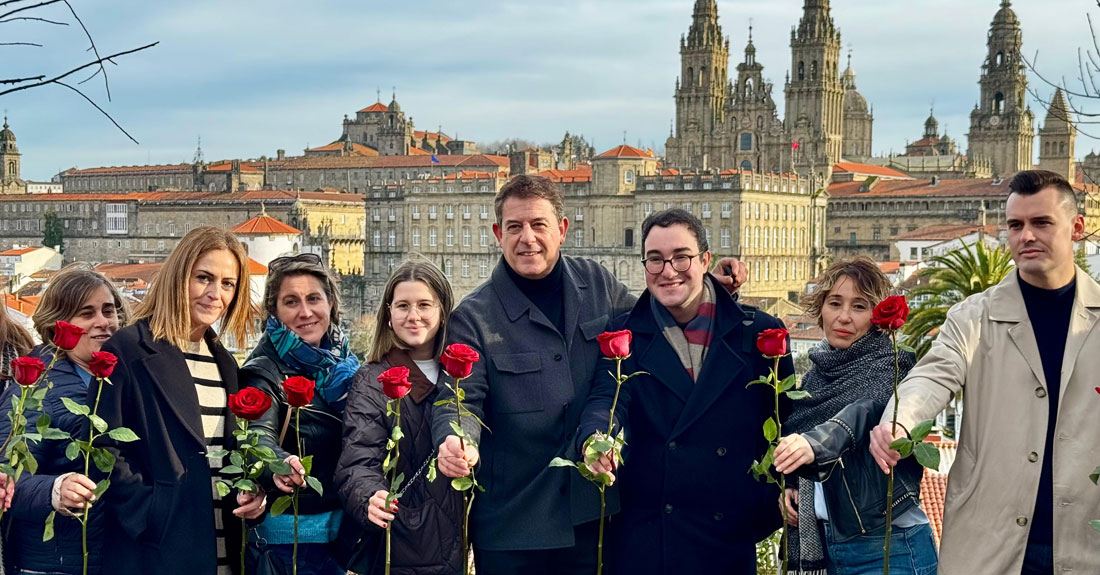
pixel 1079 258
pixel 54 232
pixel 954 277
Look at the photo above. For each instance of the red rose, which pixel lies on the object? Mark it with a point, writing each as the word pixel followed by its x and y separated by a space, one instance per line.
pixel 249 403
pixel 395 382
pixel 26 370
pixel 103 363
pixel 299 391
pixel 772 342
pixel 615 344
pixel 890 314
pixel 458 360
pixel 66 335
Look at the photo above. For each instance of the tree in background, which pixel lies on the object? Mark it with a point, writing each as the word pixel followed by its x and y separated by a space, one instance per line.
pixel 53 234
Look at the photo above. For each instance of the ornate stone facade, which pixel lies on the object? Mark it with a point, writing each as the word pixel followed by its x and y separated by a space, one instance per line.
pixel 10 182
pixel 1057 138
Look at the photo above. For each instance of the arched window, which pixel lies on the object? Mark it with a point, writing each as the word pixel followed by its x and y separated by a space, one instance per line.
pixel 11 169
pixel 801 71
pixel 1062 148
pixel 998 103
pixel 1000 59
pixel 629 177
pixel 813 70
pixel 746 165
pixel 690 76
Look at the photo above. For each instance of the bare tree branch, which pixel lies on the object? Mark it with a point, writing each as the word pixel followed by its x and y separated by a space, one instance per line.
pixel 6 2
pixel 18 10
pixel 21 80
pixel 75 70
pixel 101 110
pixel 17 18
pixel 95 50
pixel 20 44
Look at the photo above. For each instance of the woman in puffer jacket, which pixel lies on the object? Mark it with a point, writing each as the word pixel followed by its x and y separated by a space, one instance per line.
pixel 427 517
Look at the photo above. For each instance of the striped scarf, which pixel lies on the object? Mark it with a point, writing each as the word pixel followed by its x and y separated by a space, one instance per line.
pixel 331 366
pixel 691 341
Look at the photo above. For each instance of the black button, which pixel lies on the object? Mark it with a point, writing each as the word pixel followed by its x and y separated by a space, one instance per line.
pixel 557 357
pixel 672 446
pixel 668 509
pixel 718 516
pixel 721 451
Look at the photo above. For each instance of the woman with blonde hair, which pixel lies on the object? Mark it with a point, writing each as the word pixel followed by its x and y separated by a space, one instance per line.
pixel 836 509
pixel 86 299
pixel 302 336
pixel 426 522
pixel 170 387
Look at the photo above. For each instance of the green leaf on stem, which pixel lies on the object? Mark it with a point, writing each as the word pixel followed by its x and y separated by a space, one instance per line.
pixel 315 483
pixel 101 487
pixel 927 455
pixel 461 394
pixel 43 423
pixel 462 483
pixel 904 347
pixel 35 437
pixel 397 482
pixel 281 504
pixel 458 430
pixel 307 464
pixel 798 394
pixel 223 489
pixel 397 433
pixel 55 434
pixel 771 431
pixel 443 402
pixel 561 462
pixel 758 381
pixel 388 463
pixel 218 454
pixel 1095 475
pixel 232 470
pixel 40 393
pixel 47 533
pixel 104 460
pixel 788 383
pixel 30 464
pixel 72 451
pixel 279 467
pixel 245 485
pixel 122 434
pixel 921 430
pixel 236 459
pixel 98 422
pixel 602 445
pixel 432 471
pixel 74 407
pixel 265 453
pixel 903 446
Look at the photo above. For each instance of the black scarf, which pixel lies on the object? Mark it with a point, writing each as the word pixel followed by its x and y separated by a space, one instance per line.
pixel 838 378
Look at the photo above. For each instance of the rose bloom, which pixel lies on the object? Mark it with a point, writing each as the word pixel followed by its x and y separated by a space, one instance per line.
pixel 615 344
pixel 66 335
pixel 103 364
pixel 395 382
pixel 26 370
pixel 772 342
pixel 890 314
pixel 299 390
pixel 249 403
pixel 458 360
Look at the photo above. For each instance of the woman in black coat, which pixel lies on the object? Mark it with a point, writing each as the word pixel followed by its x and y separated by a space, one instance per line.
pixel 302 336
pixel 87 300
pixel 170 387
pixel 427 518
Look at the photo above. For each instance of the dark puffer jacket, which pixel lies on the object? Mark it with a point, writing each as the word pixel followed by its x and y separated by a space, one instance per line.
pixel 23 524
pixel 426 535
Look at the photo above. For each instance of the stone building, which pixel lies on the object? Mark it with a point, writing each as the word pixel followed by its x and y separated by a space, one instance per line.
pixel 145 226
pixel 1001 124
pixel 1056 139
pixel 385 130
pixel 10 182
pixel 859 119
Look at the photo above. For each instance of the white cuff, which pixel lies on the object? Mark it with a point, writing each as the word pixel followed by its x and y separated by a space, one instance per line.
pixel 55 495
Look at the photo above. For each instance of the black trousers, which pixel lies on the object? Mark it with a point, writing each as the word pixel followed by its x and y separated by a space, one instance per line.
pixel 1038 559
pixel 579 559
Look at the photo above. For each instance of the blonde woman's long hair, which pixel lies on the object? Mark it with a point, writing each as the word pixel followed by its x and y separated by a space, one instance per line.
pixel 166 306
pixel 411 270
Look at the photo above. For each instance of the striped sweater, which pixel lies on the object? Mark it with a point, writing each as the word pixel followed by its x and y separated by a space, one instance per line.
pixel 212 404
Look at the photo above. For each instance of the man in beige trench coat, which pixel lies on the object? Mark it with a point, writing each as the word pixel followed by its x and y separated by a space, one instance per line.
pixel 1027 353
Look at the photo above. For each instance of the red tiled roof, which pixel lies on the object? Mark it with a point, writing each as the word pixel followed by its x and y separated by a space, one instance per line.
pixel 568 176
pixel 420 134
pixel 414 151
pixel 338 146
pixel 933 488
pixel 670 172
pixel 176 196
pixel 411 161
pixel 624 151
pixel 868 169
pixel 17 252
pixel 467 175
pixel 24 305
pixel 923 188
pixel 255 268
pixel 264 225
pixel 944 232
pixel 889 267
pixel 123 272
pixel 131 170
pixel 376 107
pixel 929 141
pixel 226 166
pixel 814 333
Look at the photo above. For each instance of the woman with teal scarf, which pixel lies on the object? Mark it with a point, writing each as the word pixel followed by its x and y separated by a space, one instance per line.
pixel 302 337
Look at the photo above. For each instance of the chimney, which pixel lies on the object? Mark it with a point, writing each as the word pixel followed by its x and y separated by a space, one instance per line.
pixel 935 180
pixel 280 154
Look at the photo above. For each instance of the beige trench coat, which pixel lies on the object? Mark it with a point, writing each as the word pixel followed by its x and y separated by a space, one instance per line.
pixel 987 347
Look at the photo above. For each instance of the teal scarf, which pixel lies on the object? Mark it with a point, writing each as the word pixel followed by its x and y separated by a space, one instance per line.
pixel 331 366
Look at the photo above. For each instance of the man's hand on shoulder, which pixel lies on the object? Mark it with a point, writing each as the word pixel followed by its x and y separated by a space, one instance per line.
pixel 732 273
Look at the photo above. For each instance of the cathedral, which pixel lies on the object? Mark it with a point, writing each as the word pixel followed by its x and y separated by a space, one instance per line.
pixel 735 124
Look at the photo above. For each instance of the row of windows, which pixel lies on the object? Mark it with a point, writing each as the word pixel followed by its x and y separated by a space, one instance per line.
pixel 778 238
pixel 705 212
pixel 37 208
pixel 899 206
pixel 448 267
pixel 774 211
pixel 140 182
pixel 777 270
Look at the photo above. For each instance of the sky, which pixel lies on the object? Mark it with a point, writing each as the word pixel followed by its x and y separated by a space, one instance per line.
pixel 249 77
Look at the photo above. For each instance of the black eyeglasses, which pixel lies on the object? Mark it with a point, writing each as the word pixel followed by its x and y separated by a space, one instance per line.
pixel 308 258
pixel 656 264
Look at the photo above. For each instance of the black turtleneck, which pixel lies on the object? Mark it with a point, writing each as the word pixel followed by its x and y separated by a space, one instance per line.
pixel 545 293
pixel 1049 311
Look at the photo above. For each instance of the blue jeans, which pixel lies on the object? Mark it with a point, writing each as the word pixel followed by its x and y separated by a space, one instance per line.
pixel 912 552
pixel 313 559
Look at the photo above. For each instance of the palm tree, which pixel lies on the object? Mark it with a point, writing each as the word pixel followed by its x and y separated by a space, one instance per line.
pixel 954 277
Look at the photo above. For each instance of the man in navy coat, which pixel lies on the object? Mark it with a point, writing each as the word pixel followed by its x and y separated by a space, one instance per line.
pixel 693 428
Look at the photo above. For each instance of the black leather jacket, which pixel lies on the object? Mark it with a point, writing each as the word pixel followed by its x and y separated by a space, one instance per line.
pixel 321 427
pixel 853 485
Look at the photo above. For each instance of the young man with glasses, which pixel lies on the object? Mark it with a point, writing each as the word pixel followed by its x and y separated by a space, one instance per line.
pixel 693 428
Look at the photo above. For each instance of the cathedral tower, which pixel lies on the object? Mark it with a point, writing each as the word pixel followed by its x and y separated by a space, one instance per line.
pixel 1056 139
pixel 815 96
pixel 10 182
pixel 858 119
pixel 700 90
pixel 1001 124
